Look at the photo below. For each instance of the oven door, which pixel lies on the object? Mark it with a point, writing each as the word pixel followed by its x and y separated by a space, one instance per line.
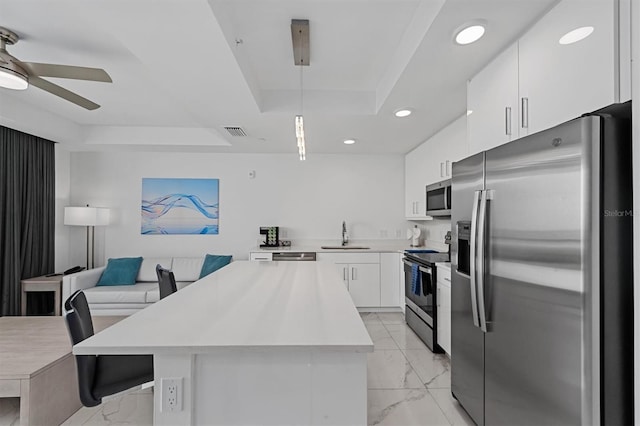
pixel 422 301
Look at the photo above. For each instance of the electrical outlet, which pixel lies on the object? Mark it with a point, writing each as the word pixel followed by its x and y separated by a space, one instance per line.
pixel 171 394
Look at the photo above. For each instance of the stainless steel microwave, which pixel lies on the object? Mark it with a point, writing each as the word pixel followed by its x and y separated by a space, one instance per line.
pixel 439 198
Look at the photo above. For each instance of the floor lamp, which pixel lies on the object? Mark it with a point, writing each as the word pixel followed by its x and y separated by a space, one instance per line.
pixel 89 217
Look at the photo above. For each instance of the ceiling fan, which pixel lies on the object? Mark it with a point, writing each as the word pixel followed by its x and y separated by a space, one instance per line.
pixel 17 75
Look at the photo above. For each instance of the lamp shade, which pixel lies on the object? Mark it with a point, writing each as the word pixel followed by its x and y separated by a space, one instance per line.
pixel 86 216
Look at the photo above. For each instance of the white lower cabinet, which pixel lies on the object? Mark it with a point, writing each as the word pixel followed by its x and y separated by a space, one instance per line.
pixel 260 256
pixel 361 275
pixel 443 297
pixel 363 282
pixel 390 285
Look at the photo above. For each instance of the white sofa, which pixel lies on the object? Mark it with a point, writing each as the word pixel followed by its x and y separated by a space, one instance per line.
pixel 129 299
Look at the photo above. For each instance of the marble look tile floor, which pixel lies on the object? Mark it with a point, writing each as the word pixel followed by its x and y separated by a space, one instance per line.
pixel 399 357
pixel 407 385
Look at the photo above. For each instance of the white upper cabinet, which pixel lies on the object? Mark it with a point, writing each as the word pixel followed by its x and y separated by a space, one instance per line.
pixel 559 82
pixel 492 99
pixel 430 163
pixel 415 176
pixel 447 146
pixel 538 83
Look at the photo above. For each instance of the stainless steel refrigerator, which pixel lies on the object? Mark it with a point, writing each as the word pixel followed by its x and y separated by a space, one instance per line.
pixel 542 310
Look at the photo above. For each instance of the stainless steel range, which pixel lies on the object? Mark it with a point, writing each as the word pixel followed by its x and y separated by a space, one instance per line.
pixel 420 294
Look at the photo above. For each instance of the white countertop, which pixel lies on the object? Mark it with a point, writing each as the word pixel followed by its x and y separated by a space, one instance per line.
pixel 245 305
pixel 375 246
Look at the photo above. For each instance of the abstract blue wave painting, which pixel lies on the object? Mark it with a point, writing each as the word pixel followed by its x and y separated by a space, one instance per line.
pixel 179 206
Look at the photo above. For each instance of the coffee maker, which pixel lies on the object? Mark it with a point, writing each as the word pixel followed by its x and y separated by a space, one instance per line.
pixel 271 236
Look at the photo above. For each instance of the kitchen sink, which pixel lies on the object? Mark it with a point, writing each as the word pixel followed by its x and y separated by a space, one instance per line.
pixel 344 248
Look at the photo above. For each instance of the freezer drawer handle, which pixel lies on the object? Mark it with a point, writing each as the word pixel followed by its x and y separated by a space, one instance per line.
pixel 482 219
pixel 472 243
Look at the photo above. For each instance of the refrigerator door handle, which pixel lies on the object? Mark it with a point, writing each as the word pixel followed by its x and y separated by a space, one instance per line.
pixel 472 257
pixel 482 221
pixel 446 193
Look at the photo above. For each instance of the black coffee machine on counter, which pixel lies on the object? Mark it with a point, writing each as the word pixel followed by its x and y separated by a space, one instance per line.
pixel 272 237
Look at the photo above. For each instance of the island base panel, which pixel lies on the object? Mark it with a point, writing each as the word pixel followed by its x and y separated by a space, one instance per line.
pixel 267 387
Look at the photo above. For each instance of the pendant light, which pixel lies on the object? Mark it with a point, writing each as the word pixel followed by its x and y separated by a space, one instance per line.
pixel 300 40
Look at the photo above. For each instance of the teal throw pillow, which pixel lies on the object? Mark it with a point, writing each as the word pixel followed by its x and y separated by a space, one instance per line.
pixel 120 271
pixel 212 263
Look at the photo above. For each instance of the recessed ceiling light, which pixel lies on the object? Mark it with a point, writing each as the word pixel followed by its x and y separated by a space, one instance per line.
pixel 349 141
pixel 469 112
pixel 402 112
pixel 470 32
pixel 576 35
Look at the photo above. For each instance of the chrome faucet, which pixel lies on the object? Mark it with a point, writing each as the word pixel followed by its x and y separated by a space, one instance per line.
pixel 345 238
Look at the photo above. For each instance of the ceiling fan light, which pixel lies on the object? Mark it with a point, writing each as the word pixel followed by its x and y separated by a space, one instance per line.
pixel 11 79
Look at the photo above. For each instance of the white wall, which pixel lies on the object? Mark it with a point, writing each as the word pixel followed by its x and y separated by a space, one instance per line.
pixel 433 232
pixel 28 118
pixel 308 199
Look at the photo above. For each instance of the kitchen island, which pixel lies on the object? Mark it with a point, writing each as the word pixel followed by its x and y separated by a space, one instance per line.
pixel 253 343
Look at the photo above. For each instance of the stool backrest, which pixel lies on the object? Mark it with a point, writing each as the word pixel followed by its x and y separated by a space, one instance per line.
pixel 78 319
pixel 166 281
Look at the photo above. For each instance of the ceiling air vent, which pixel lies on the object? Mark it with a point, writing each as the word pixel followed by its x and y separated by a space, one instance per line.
pixel 235 131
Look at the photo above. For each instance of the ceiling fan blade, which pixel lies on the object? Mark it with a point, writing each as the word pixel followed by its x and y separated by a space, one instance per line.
pixel 65 71
pixel 54 89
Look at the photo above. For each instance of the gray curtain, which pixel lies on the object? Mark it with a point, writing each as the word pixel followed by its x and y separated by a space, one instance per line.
pixel 27 213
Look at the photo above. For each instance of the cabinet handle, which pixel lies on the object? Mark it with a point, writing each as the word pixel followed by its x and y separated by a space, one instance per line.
pixel 441 171
pixel 447 168
pixel 525 113
pixel 344 273
pixel 438 297
pixel 353 273
pixel 507 121
pixel 415 207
